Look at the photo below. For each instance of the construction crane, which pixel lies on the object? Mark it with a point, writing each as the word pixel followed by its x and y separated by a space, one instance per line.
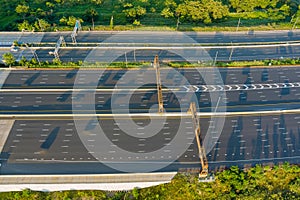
pixel 202 155
pixel 77 27
pixel 158 84
pixel 60 42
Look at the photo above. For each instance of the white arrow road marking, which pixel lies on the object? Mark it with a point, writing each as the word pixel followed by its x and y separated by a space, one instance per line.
pixel 277 86
pixel 269 85
pixel 213 88
pixel 187 89
pixel 228 87
pixel 220 87
pixel 261 86
pixel 205 88
pixel 197 89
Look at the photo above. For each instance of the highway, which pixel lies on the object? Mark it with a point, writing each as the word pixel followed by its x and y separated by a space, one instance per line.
pixel 149 37
pixel 43 107
pixel 64 79
pixel 140 102
pixel 53 145
pixel 44 91
pixel 222 46
pixel 144 54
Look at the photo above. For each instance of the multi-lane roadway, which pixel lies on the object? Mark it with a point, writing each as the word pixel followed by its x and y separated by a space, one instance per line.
pixel 54 91
pixel 146 54
pixel 149 37
pixel 50 119
pixel 54 144
pixel 219 46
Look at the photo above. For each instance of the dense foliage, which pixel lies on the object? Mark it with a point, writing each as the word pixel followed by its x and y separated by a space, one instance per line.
pixel 46 15
pixel 280 182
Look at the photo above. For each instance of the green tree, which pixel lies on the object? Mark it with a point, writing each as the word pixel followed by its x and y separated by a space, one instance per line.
pixel 42 25
pixel 23 61
pixel 202 11
pixel 169 9
pixel 22 10
pixel 25 26
pixel 50 4
pixel 63 20
pixel 135 9
pixel 97 2
pixel 56 61
pixel 70 21
pixel 250 5
pixel 9 59
pixel 135 193
pixel 279 13
pixel 91 14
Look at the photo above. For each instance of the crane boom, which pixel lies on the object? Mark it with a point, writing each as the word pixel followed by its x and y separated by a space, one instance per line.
pixel 201 149
pixel 158 84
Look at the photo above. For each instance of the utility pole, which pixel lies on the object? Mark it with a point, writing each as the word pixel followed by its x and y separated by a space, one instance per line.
pixel 201 150
pixel 158 84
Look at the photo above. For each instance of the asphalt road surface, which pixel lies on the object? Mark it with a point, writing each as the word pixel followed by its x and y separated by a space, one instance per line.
pixel 151 37
pixel 108 79
pixel 101 39
pixel 245 89
pixel 49 147
pixel 144 55
pixel 54 146
pixel 144 102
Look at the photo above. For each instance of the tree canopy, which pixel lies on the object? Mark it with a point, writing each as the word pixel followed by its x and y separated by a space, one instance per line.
pixel 46 15
pixel 8 59
pixel 259 182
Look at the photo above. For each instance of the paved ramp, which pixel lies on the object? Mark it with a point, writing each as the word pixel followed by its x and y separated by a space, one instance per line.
pixel 5 127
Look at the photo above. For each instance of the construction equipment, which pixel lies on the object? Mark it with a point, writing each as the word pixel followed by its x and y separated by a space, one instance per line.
pixel 202 155
pixel 158 84
pixel 60 42
pixel 77 27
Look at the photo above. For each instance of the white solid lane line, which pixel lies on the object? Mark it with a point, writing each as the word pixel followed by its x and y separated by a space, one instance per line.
pixel 173 114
